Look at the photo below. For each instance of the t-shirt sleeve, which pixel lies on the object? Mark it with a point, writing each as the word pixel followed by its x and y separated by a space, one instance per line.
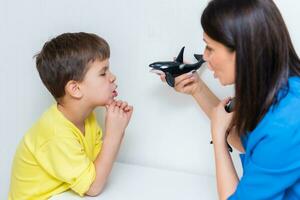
pixel 270 168
pixel 98 138
pixel 65 159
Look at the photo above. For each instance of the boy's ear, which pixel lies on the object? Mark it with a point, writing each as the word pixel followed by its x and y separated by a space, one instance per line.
pixel 72 88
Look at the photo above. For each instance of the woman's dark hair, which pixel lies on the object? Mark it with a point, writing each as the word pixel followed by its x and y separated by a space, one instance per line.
pixel 265 56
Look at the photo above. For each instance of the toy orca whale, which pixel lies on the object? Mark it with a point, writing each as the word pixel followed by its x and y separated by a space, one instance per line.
pixel 175 68
pixel 172 69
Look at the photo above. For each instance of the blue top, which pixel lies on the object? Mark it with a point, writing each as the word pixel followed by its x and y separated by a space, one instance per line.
pixel 271 163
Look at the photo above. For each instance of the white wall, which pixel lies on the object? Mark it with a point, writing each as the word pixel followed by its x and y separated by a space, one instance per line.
pixel 167 129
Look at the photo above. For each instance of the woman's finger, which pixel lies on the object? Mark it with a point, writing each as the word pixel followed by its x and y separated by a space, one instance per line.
pixel 163 77
pixel 225 101
pixel 182 77
pixel 186 82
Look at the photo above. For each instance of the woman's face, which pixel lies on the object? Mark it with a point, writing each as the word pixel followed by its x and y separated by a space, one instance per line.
pixel 220 60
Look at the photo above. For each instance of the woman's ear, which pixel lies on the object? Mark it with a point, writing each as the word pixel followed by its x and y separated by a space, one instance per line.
pixel 72 88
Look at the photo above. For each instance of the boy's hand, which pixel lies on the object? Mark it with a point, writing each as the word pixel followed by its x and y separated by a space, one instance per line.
pixel 117 118
pixel 126 108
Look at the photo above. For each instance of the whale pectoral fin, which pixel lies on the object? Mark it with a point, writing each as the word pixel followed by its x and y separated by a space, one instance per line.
pixel 170 79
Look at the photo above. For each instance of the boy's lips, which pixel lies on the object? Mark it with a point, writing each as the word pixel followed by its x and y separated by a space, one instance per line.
pixel 115 93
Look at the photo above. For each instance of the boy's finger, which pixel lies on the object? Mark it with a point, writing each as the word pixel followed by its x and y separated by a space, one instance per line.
pixel 124 104
pixel 130 111
pixel 128 108
pixel 131 108
pixel 112 106
pixel 119 103
pixel 113 102
pixel 120 111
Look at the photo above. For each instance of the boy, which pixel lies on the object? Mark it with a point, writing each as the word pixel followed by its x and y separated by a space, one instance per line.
pixel 64 149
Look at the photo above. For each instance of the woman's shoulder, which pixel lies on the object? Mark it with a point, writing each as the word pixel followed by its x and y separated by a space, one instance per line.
pixel 294 86
pixel 280 127
pixel 286 112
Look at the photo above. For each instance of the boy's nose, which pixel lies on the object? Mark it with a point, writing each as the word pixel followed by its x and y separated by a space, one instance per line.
pixel 112 78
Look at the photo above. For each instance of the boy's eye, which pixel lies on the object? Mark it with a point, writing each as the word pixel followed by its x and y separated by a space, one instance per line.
pixel 103 74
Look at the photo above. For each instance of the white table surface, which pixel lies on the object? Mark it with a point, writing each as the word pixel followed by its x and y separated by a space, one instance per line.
pixel 133 182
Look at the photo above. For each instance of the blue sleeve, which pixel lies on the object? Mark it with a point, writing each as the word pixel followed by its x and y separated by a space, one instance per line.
pixel 271 166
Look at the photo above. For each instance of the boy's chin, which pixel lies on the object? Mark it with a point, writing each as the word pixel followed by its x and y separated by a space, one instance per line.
pixel 105 103
pixel 110 101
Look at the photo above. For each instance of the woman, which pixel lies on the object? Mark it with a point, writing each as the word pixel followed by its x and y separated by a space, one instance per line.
pixel 248 45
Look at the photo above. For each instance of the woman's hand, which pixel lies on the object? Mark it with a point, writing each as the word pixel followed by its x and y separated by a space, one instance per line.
pixel 220 122
pixel 188 83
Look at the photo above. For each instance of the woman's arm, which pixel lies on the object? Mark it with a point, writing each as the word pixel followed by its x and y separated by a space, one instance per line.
pixel 234 140
pixel 205 98
pixel 192 84
pixel 227 178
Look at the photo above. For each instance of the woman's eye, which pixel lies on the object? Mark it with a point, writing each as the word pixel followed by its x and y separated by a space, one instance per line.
pixel 103 74
pixel 208 48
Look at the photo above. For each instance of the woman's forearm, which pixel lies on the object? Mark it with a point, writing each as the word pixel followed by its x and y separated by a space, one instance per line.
pixel 227 178
pixel 206 99
pixel 234 140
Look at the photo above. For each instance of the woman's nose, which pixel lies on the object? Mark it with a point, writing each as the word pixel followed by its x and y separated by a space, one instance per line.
pixel 205 55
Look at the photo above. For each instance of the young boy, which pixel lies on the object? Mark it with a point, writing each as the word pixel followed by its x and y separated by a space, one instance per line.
pixel 64 149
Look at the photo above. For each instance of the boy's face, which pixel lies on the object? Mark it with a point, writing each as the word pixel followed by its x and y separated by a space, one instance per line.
pixel 98 86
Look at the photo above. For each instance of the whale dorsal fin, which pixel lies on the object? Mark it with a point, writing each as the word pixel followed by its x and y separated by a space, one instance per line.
pixel 198 57
pixel 180 56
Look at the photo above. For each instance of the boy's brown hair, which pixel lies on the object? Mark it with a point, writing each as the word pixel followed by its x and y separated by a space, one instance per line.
pixel 66 58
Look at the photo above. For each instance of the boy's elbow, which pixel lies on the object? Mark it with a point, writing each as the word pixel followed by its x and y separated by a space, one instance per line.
pixel 94 191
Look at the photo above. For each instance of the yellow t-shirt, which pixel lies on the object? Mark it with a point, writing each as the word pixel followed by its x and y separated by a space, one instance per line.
pixel 55 156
